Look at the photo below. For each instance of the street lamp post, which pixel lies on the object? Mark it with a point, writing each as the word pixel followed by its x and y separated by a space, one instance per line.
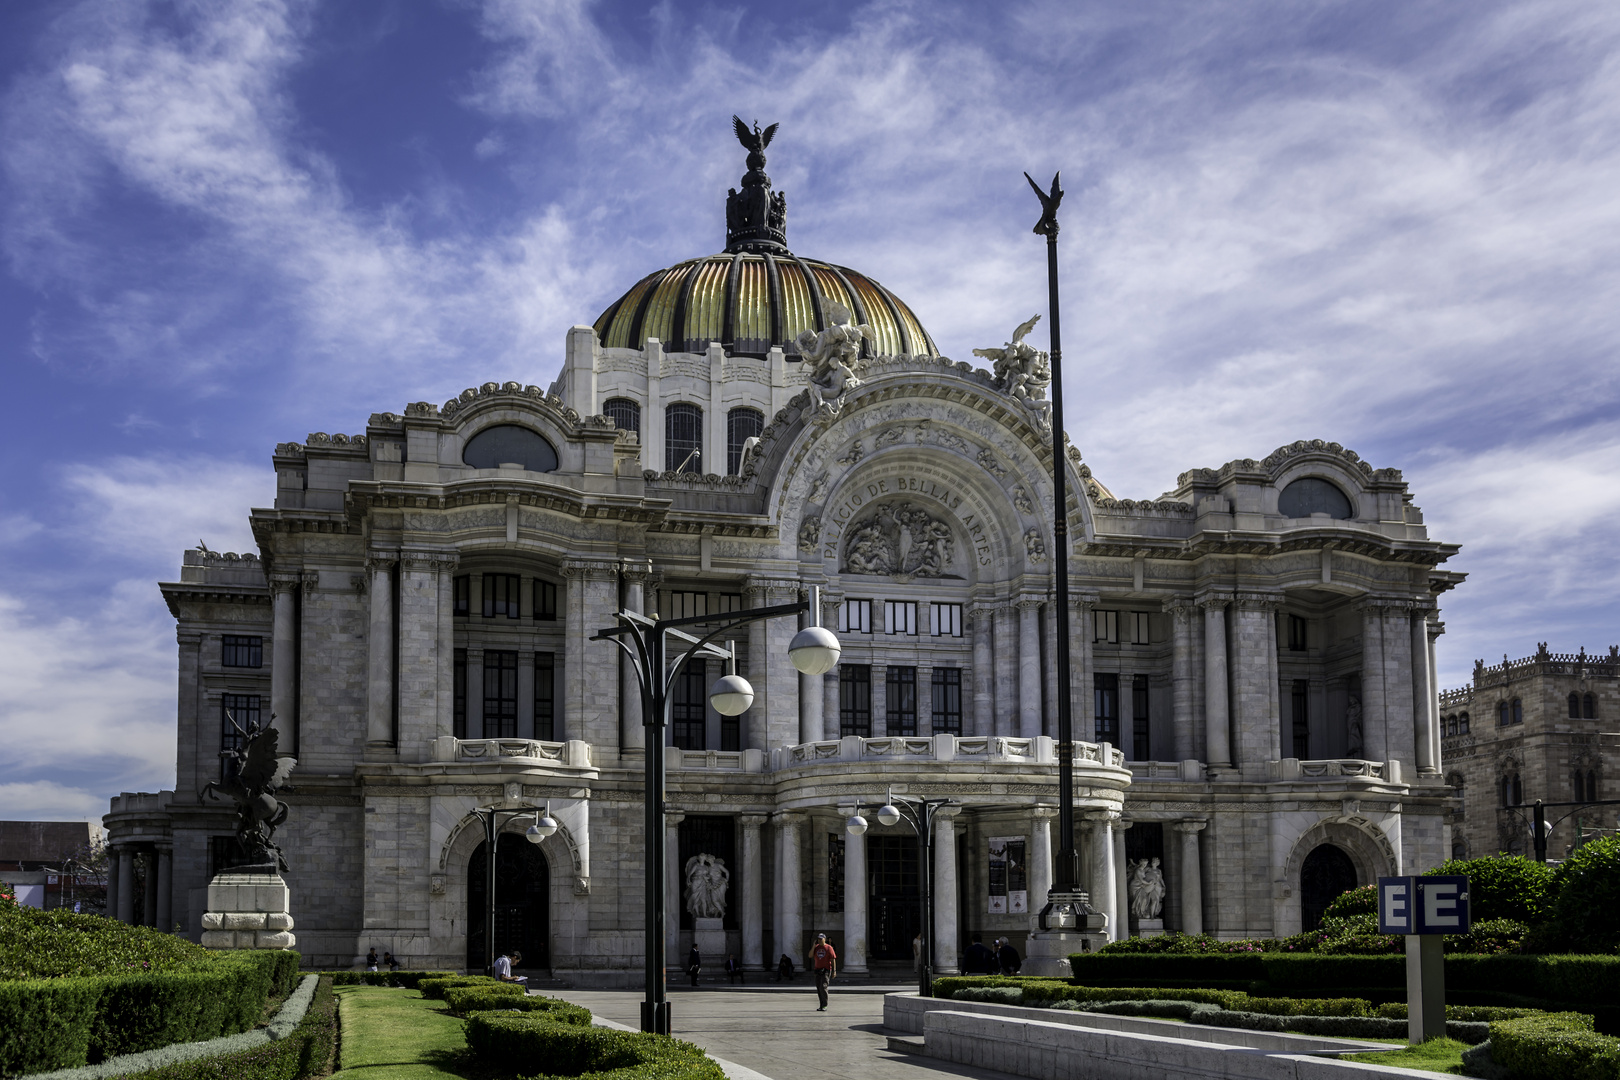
pixel 919 814
pixel 491 816
pixel 646 641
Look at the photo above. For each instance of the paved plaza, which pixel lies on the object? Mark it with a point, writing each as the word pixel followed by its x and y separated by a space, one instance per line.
pixel 776 1030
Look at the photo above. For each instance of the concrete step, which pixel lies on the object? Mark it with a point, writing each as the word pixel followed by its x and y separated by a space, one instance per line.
pixel 906 1044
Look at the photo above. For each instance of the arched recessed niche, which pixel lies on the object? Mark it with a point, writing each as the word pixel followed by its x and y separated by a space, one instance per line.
pixel 1312 495
pixel 509 444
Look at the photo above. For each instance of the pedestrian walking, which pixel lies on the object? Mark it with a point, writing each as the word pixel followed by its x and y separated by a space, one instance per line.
pixel 694 964
pixel 371 960
pixel 1008 958
pixel 825 962
pixel 734 969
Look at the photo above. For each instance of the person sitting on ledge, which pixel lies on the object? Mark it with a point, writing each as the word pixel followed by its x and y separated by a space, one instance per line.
pixel 503 968
pixel 784 969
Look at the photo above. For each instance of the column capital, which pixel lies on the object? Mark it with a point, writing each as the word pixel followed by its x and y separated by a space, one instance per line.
pixel 1213 601
pixel 1381 606
pixel 781 590
pixel 1123 823
pixel 673 817
pixel 753 821
pixel 638 571
pixel 1257 601
pixel 1179 608
pixel 983 609
pixel 1100 817
pixel 284 584
pixel 1029 603
pixel 1190 825
pixel 789 817
pixel 380 562
pixel 309 580
pixel 1436 628
pixel 1040 813
pixel 428 562
pixel 589 569
pixel 948 813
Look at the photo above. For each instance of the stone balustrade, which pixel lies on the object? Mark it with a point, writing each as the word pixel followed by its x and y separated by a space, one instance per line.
pixel 989 749
pixel 1191 769
pixel 1388 772
pixel 573 754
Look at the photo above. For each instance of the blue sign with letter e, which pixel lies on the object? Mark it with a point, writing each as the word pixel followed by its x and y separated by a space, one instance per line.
pixel 1423 905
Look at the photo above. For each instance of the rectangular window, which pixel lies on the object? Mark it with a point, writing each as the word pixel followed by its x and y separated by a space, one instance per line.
pixel 238 651
pixel 1296 634
pixel 463 596
pixel 855 617
pixel 458 708
pixel 545 600
pixel 500 692
pixel 244 710
pixel 501 595
pixel 1107 708
pixel 545 696
pixel 728 602
pixel 1141 744
pixel 731 732
pixel 900 617
pixel 687 605
pixel 855 700
pixel 1139 628
pixel 687 709
pixel 1105 627
pixel 901 700
pixel 1302 717
pixel 945 620
pixel 947 687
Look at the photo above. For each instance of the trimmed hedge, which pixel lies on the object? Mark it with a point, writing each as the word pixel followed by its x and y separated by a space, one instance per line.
pixel 514 1043
pixel 435 988
pixel 1556 1046
pixel 45 1024
pixel 470 999
pixel 407 979
pixel 36 944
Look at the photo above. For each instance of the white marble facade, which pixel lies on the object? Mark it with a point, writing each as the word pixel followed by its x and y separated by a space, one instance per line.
pixel 1265 680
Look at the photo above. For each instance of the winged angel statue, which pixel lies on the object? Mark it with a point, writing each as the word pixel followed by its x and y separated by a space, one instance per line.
pixel 1023 372
pixel 255 773
pixel 834 356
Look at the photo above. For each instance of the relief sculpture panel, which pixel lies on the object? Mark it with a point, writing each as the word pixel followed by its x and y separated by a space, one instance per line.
pixel 900 539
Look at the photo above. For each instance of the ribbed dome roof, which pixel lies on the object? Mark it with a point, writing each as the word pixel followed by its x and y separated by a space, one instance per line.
pixel 750 301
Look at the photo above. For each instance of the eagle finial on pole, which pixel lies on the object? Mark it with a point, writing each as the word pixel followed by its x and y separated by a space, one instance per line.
pixel 1048 225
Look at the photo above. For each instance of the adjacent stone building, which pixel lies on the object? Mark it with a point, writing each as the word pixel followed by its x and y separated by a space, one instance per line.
pixel 1252 676
pixel 1526 730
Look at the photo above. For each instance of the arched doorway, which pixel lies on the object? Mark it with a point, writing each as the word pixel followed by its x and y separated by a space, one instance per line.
pixel 1327 872
pixel 522 903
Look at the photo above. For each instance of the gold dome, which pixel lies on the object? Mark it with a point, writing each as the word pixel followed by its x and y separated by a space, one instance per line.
pixel 751 301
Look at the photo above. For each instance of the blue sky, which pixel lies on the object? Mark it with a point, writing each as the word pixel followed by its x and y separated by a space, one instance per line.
pixel 223 225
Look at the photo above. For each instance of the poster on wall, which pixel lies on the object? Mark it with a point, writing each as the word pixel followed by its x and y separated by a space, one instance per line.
pixel 1009 881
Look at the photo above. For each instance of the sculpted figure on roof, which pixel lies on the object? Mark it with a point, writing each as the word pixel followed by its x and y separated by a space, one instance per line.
pixel 834 356
pixel 1023 372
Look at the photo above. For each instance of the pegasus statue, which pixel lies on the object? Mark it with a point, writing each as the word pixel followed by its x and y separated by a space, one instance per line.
pixel 255 774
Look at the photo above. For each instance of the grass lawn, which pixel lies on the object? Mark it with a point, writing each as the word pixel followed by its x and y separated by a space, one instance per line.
pixel 396 1034
pixel 1436 1055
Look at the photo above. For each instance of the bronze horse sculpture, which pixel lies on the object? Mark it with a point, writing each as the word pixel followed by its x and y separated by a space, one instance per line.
pixel 255 773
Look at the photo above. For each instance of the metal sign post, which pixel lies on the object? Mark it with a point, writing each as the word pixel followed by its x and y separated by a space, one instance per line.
pixel 1424 910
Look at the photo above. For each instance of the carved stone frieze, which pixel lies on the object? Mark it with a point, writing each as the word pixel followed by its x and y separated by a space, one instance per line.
pixel 989 463
pixel 854 454
pixel 588 569
pixel 1022 501
pixel 900 538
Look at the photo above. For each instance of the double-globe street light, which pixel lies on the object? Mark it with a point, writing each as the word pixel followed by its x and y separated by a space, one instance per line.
pixel 919 814
pixel 648 643
pixel 492 816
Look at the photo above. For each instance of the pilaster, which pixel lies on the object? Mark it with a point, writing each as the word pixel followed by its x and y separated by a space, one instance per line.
pixel 591 711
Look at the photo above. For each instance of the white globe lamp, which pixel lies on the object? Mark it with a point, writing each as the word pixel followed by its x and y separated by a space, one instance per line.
pixel 889 814
pixel 855 826
pixel 731 695
pixel 815 650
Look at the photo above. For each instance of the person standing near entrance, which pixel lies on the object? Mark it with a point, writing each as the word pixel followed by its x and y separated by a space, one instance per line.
pixel 825 963
pixel 694 963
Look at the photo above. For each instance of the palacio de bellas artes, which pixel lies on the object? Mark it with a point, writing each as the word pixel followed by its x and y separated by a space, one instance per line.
pixel 1252 670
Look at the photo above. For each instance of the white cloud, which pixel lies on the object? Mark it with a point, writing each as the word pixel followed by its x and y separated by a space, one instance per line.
pixel 45 800
pixel 149 510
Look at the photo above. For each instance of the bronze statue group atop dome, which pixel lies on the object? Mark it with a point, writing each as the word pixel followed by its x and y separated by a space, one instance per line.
pixel 756 218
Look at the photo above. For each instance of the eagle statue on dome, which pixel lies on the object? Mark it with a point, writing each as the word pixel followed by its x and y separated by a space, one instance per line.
pixel 754 141
pixel 834 356
pixel 1023 372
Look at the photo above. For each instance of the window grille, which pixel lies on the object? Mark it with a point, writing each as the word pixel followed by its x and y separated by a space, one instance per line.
pixel 500 694
pixel 1574 706
pixel 727 602
pixel 1462 723
pixel 688 711
pixel 683 438
pixel 1141 744
pixel 742 424
pixel 1518 711
pixel 501 595
pixel 945 620
pixel 900 617
pixel 239 651
pixel 855 699
pixel 900 701
pixel 1105 627
pixel 1589 707
pixel 1106 689
pixel 855 617
pixel 1302 718
pixel 624 413
pixel 947 712
pixel 462 605
pixel 545 696
pixel 458 707
pixel 545 601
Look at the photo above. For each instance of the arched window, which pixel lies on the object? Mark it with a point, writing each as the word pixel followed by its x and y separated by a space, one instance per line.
pixel 742 424
pixel 1591 785
pixel 683 437
pixel 1507 791
pixel 509 444
pixel 1589 707
pixel 1313 495
pixel 1502 713
pixel 623 412
pixel 1580 785
pixel 1518 711
pixel 1518 791
pixel 1462 724
pixel 1574 705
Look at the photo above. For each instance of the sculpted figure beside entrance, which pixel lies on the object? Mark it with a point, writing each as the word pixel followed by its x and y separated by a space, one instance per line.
pixel 706 881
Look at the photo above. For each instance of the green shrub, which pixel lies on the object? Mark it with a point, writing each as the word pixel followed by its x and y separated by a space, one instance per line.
pixel 470 999
pixel 45 1024
pixel 1160 1008
pixel 1362 900
pixel 513 1044
pixel 1000 995
pixel 37 944
pixel 1584 897
pixel 1490 937
pixel 1504 887
pixel 1167 969
pixel 435 988
pixel 407 979
pixel 1396 1010
pixel 1556 1046
pixel 1186 945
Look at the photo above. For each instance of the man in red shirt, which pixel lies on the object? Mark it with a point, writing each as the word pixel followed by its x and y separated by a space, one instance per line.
pixel 824 961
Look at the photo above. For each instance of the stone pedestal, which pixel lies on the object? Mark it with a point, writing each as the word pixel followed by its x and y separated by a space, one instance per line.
pixel 1047 952
pixel 1147 927
pixel 248 909
pixel 709 935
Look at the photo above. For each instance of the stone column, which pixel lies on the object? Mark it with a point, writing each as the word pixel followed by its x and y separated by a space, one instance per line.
pixel 165 890
pixel 831 725
pixel 1082 702
pixel 1435 628
pixel 812 706
pixel 632 735
pixel 1006 671
pixel 855 920
pixel 773 720
pixel 126 884
pixel 417 676
pixel 380 655
pixel 475 693
pixel 674 960
pixel 1374 724
pixel 112 882
pixel 1040 856
pixel 150 890
pixel 789 892
pixel 946 946
pixel 1100 849
pixel 1217 720
pixel 753 895
pixel 983 720
pixel 1191 872
pixel 446 722
pixel 283 657
pixel 590 702
pixel 1049 669
pixel 1029 667
pixel 1182 677
pixel 1400 662
pixel 1253 667
pixel 1122 892
pixel 1423 714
